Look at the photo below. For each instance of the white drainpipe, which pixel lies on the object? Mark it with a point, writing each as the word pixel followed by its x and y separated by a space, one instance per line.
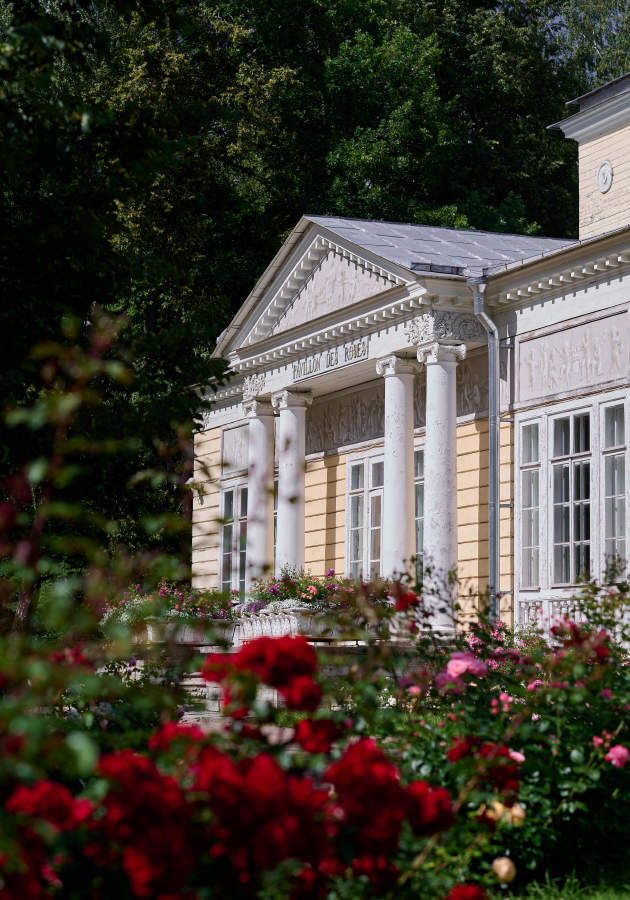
pixel 478 286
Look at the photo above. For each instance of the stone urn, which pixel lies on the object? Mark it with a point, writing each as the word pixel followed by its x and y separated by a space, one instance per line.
pixel 292 620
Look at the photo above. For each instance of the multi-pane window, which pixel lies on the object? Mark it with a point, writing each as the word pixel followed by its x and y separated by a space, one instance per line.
pixel 572 485
pixel 227 535
pixel 571 488
pixel 366 484
pixel 233 539
pixel 357 524
pixel 530 507
pixel 376 518
pixel 614 485
pixel 418 477
pixel 242 541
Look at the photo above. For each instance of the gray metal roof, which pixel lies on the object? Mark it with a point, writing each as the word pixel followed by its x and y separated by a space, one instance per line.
pixel 620 85
pixel 448 251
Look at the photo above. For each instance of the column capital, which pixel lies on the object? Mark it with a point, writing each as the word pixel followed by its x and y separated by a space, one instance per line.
pixel 434 351
pixel 291 399
pixel 253 385
pixel 252 408
pixel 437 325
pixel 396 365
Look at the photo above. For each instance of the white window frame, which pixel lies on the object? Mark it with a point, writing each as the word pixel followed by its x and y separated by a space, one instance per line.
pixel 548 600
pixel 369 493
pixel 572 460
pixel 418 480
pixel 238 543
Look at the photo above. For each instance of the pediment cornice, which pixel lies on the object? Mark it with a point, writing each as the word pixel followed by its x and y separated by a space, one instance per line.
pixel 287 291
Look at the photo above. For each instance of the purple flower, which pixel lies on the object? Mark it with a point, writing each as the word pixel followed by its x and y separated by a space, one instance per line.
pixel 274 589
pixel 330 572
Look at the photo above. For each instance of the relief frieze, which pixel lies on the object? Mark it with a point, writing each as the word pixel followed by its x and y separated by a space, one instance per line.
pixel 574 358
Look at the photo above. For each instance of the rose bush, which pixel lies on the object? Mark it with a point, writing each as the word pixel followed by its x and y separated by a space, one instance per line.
pixel 396 764
pixel 441 793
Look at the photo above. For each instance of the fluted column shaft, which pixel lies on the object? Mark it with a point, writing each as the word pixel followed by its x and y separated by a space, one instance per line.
pixel 259 491
pixel 398 541
pixel 440 461
pixel 290 535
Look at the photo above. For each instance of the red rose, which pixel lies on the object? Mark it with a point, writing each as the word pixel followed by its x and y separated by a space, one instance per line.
pixel 302 693
pixel 463 747
pixel 262 814
pixel 317 735
pixel 147 814
pixel 170 732
pixel 466 892
pixel 429 809
pixel 277 661
pixel 370 795
pixel 49 801
pixel 379 871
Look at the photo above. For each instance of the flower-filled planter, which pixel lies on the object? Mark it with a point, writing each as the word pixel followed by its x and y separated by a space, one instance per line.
pixel 177 616
pixel 296 602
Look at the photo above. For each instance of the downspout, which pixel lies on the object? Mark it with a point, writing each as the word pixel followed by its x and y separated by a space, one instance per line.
pixel 478 287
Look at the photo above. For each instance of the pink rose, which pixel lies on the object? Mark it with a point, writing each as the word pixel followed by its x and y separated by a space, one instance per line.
pixel 597 741
pixel 618 756
pixel 456 667
pixel 460 663
pixel 446 682
pixel 517 756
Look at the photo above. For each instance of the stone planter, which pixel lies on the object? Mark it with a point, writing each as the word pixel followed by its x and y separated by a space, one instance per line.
pixel 292 620
pixel 156 632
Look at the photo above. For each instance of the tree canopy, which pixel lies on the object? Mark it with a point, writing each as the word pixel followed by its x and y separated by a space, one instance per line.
pixel 154 155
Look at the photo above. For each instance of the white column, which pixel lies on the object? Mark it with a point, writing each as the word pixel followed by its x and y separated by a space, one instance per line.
pixel 398 530
pixel 440 463
pixel 259 491
pixel 291 477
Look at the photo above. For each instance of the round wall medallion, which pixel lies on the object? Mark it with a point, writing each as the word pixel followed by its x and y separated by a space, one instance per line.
pixel 604 177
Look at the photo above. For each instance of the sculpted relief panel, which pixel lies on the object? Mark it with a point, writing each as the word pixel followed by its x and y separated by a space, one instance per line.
pixel 576 357
pixel 334 284
pixel 235 449
pixel 346 420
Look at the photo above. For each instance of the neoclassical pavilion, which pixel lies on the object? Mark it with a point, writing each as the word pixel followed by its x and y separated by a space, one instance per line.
pixel 402 390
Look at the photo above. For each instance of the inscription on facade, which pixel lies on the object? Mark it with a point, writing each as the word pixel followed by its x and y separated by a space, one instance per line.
pixel 336 358
pixel 574 358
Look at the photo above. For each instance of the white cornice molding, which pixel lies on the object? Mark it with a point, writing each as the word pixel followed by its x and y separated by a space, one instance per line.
pixel 611 113
pixel 292 285
pixel 351 329
pixel 530 289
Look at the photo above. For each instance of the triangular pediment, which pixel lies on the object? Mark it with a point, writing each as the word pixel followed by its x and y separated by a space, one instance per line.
pixel 326 279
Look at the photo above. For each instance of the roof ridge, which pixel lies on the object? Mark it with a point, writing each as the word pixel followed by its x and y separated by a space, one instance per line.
pixel 539 237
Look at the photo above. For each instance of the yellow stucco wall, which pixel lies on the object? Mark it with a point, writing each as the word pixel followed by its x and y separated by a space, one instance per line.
pixel 326 514
pixel 325 510
pixel 472 515
pixel 604 212
pixel 205 527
